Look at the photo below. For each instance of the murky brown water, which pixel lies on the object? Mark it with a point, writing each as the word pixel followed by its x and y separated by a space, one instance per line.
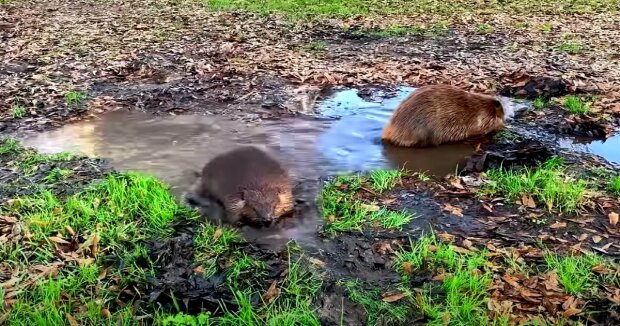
pixel 173 147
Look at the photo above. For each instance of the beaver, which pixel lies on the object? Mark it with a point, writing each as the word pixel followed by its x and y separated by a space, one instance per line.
pixel 248 183
pixel 437 114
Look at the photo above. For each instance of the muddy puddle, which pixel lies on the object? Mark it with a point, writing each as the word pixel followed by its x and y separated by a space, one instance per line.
pixel 609 148
pixel 342 135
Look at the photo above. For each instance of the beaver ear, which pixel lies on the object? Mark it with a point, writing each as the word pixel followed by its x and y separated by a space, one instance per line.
pixel 237 205
pixel 285 196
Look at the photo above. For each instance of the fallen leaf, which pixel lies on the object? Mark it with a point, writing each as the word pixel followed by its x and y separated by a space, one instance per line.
pixel 94 248
pixel 388 201
pixel 71 320
pixel 456 183
pixel 570 312
pixel 528 201
pixel 70 230
pixel 446 237
pixel 613 218
pixel 59 240
pixel 467 244
pixel 407 267
pixel 217 234
pixel 558 225
pixel 371 208
pixel 597 239
pixel 393 297
pixel 583 237
pixel 105 313
pixel 317 262
pixel 453 210
pixel 331 218
pixel 271 293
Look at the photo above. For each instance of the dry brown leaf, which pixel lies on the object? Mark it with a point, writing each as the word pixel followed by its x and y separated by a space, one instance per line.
pixel 217 234
pixel 71 320
pixel 528 201
pixel 446 237
pixel 558 225
pixel 388 201
pixel 94 247
pixel 614 297
pixel 271 293
pixel 105 313
pixel 583 237
pixel 392 297
pixel 371 208
pixel 407 267
pixel 453 210
pixel 456 183
pixel 596 239
pixel 316 262
pixel 461 250
pixel 570 312
pixel 467 244
pixel 613 218
pixel 59 240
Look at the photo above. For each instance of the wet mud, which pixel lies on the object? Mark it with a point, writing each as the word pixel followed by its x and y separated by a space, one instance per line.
pixel 340 135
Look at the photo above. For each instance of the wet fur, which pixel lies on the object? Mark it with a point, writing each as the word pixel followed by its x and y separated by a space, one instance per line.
pixel 227 177
pixel 438 114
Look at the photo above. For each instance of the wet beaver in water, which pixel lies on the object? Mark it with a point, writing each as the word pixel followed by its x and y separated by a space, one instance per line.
pixel 433 115
pixel 248 183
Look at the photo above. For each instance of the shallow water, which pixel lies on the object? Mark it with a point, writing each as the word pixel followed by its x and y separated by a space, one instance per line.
pixel 174 147
pixel 609 148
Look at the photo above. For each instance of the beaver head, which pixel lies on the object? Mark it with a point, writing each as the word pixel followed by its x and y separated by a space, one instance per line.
pixel 262 206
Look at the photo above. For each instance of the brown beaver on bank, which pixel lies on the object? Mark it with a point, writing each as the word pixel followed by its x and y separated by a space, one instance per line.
pixel 437 114
pixel 249 184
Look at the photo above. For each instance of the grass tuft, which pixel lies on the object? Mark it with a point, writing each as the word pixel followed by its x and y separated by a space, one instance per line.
pixel 317 46
pixel 614 186
pixel 574 272
pixel 382 180
pixel 539 103
pixel 18 111
pixel 484 29
pixel 378 311
pixel 304 9
pixel 10 146
pixel 548 184
pixel 211 242
pixel 576 105
pixel 463 294
pixel 570 47
pixel 343 211
pixel 75 98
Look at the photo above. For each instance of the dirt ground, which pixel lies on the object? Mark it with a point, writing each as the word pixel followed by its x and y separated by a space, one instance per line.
pixel 66 61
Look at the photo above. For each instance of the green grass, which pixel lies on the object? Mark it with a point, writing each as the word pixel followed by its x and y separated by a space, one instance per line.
pixel 311 9
pixel 484 29
pixel 182 319
pixel 545 28
pixel 56 174
pixel 18 111
pixel 570 47
pixel 614 186
pixel 576 105
pixel 547 184
pixel 10 146
pixel 27 159
pixel 574 272
pixel 377 310
pixel 463 292
pixel 123 208
pixel 317 46
pixel 343 211
pixel 99 235
pixel 539 103
pixel 210 242
pixel 434 30
pixel 506 135
pixel 75 98
pixel 382 180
